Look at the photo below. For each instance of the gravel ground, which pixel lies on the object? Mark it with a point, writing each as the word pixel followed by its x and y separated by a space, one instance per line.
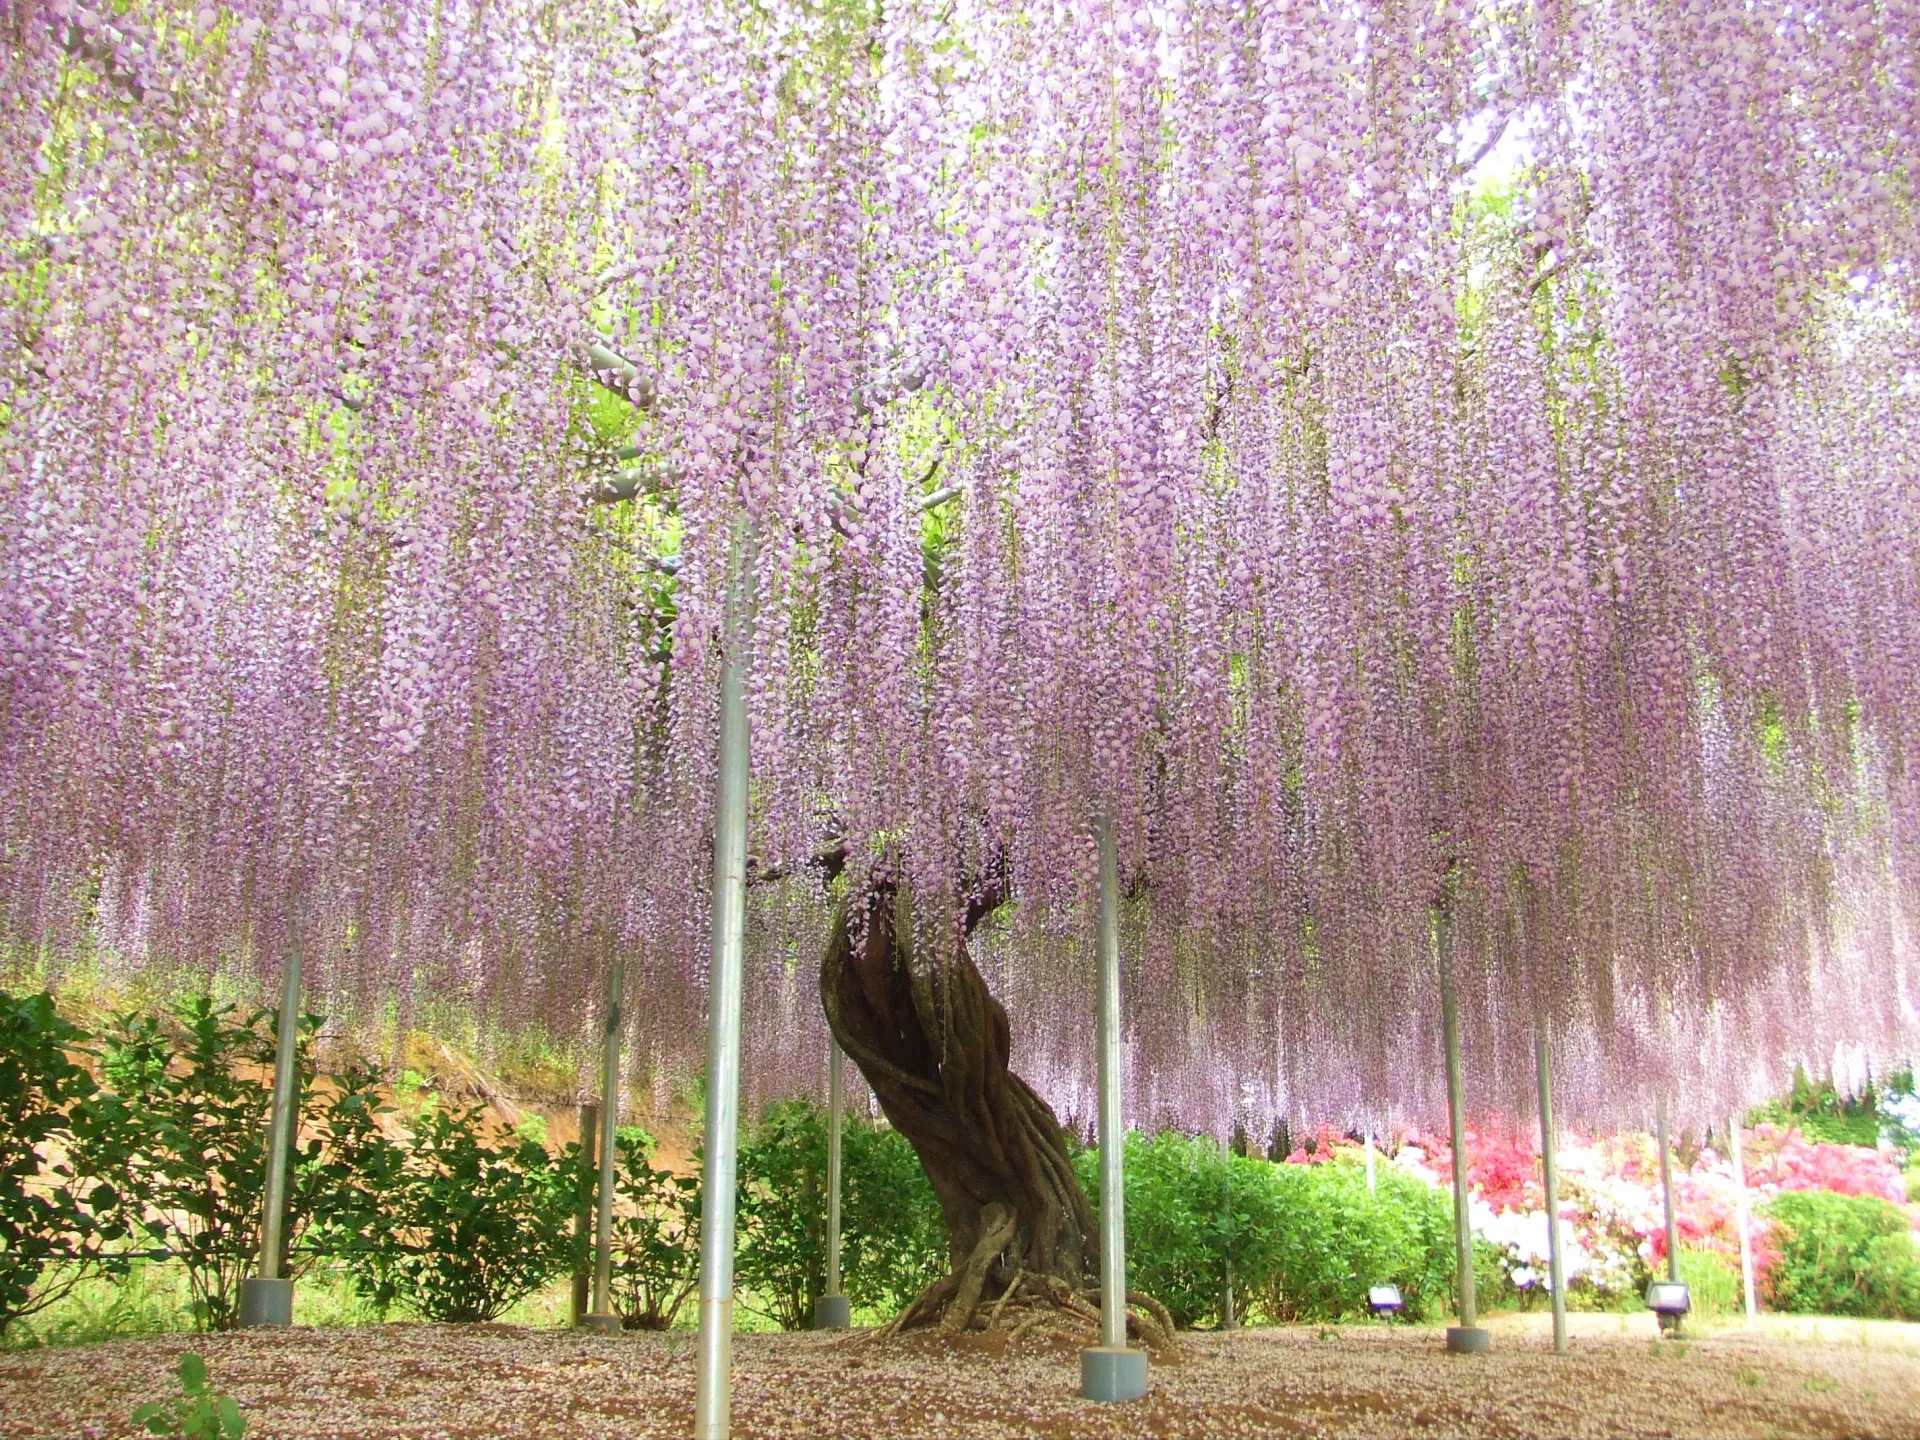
pixel 478 1382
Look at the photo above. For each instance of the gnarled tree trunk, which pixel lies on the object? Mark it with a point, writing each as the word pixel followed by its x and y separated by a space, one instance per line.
pixel 933 1043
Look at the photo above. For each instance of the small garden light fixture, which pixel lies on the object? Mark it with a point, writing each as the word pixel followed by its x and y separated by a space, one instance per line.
pixel 1669 1300
pixel 1385 1300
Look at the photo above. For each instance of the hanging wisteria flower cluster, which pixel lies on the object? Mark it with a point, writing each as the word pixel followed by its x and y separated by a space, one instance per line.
pixel 1384 456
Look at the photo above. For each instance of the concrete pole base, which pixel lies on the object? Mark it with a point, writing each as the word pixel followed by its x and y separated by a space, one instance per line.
pixel 1468 1339
pixel 265 1302
pixel 1113 1374
pixel 600 1324
pixel 832 1312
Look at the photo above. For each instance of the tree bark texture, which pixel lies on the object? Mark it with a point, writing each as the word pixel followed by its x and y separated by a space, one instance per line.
pixel 933 1043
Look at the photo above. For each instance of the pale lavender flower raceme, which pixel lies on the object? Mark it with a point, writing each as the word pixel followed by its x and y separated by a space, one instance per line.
pixel 1362 441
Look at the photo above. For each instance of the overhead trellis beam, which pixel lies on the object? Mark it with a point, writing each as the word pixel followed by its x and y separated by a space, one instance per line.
pixel 618 373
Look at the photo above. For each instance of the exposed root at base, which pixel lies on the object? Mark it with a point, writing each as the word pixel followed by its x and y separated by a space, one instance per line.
pixel 1042 1310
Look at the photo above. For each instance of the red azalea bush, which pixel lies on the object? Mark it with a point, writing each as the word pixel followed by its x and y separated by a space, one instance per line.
pixel 1705 1211
pixel 1786 1160
pixel 1707 1215
pixel 1503 1166
pixel 1318 1148
pixel 1610 1190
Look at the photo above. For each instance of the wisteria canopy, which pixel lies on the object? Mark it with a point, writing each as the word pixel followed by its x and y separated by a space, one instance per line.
pixel 1376 452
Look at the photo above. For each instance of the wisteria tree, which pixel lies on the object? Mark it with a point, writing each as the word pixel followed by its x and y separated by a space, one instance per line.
pixel 1334 441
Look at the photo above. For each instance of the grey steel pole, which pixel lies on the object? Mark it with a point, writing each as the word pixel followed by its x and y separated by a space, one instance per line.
pixel 713 1393
pixel 1550 1175
pixel 834 1103
pixel 1467 1336
pixel 286 1055
pixel 1229 1309
pixel 579 1297
pixel 1111 1371
pixel 831 1311
pixel 1113 1224
pixel 1666 1188
pixel 1742 1219
pixel 1369 1144
pixel 266 1298
pixel 610 1022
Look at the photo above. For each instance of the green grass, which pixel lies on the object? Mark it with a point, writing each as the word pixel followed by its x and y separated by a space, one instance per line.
pixel 1713 1284
pixel 151 1299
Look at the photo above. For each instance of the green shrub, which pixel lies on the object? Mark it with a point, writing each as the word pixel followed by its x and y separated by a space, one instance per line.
pixel 1843 1255
pixel 446 1224
pixel 892 1234
pixel 1186 1210
pixel 781 1257
pixel 1332 1240
pixel 655 1236
pixel 183 1124
pixel 1493 1287
pixel 1824 1115
pixel 55 1220
pixel 1305 1241
pixel 362 1167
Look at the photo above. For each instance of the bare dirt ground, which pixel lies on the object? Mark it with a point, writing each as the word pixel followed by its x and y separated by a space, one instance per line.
pixel 478 1382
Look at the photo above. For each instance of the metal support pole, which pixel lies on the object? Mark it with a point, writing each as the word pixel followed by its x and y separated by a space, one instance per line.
pixel 833 1168
pixel 713 1391
pixel 1466 1337
pixel 1111 1371
pixel 1670 1318
pixel 1229 1305
pixel 1550 1176
pixel 580 1297
pixel 603 1317
pixel 1741 1218
pixel 1369 1145
pixel 286 1055
pixel 267 1298
pixel 1666 1188
pixel 1113 1224
pixel 832 1311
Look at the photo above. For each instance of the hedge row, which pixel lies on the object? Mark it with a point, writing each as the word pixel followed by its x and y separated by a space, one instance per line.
pixel 1844 1255
pixel 158 1149
pixel 1294 1242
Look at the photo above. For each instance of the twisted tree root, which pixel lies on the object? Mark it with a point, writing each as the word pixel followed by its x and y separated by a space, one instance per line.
pixel 1013 1288
pixel 993 1239
pixel 922 1304
pixel 1168 1339
pixel 1030 1301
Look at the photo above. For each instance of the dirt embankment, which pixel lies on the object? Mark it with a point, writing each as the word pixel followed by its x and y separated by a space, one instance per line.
pixel 427 1065
pixel 418 1065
